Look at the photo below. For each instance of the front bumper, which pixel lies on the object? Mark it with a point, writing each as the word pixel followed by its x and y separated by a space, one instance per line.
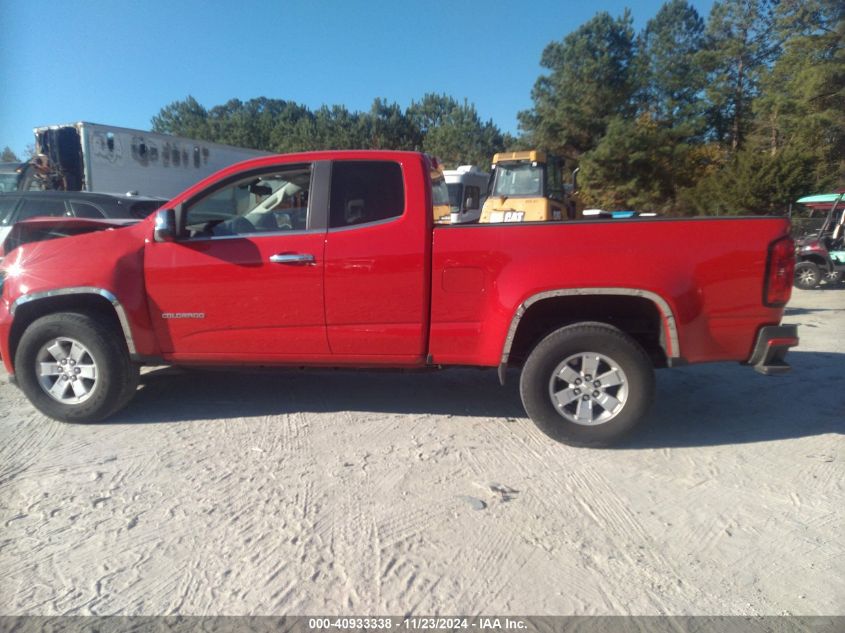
pixel 773 341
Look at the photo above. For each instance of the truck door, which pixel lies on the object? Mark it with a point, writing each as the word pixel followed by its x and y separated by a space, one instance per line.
pixel 245 281
pixel 376 268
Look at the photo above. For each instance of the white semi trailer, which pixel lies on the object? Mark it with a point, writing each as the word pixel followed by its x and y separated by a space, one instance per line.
pixel 92 157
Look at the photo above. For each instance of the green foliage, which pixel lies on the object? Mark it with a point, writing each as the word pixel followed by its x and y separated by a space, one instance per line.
pixel 389 128
pixel 590 81
pixel 637 165
pixel 670 77
pixel 183 118
pixel 454 132
pixel 741 44
pixel 802 106
pixel 796 125
pixel 752 182
pixel 641 163
pixel 8 156
pixel 743 114
pixel 437 124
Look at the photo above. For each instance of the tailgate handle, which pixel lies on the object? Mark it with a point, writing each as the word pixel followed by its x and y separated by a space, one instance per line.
pixel 292 258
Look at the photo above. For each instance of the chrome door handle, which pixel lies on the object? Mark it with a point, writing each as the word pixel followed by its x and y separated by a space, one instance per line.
pixel 292 258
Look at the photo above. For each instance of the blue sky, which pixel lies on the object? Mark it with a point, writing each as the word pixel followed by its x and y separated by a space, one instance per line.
pixel 118 62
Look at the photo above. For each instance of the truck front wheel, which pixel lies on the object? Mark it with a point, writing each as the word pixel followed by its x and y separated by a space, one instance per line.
pixel 74 368
pixel 587 384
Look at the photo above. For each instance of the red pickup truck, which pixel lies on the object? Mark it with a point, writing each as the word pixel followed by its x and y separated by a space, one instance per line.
pixel 332 259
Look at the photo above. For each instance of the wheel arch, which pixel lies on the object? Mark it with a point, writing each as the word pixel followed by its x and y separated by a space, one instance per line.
pixel 643 314
pixel 30 307
pixel 822 262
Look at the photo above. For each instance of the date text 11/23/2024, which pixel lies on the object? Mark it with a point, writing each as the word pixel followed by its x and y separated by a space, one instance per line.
pixel 418 623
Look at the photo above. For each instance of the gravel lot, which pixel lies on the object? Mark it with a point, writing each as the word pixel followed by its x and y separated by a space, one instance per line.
pixel 379 493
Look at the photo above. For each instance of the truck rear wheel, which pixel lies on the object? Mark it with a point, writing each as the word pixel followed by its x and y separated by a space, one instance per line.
pixel 74 369
pixel 587 384
pixel 807 275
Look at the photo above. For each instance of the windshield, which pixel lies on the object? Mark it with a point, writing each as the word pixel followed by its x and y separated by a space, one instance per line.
pixel 518 179
pixel 439 197
pixel 455 193
pixel 812 218
pixel 440 194
pixel 9 182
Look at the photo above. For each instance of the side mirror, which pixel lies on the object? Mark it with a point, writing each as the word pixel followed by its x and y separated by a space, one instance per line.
pixel 165 226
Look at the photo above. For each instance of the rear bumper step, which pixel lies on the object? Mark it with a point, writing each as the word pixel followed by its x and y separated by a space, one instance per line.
pixel 773 342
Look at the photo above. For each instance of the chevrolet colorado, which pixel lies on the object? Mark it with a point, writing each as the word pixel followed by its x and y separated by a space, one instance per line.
pixel 333 259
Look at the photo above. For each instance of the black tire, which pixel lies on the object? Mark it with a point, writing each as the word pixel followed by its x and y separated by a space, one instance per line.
pixel 807 275
pixel 116 375
pixel 608 343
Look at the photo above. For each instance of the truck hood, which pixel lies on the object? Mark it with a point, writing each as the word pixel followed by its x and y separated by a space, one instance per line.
pixel 51 228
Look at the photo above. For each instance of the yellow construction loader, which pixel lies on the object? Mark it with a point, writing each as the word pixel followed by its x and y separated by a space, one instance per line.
pixel 528 187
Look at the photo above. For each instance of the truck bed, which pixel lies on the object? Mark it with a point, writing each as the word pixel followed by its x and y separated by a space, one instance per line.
pixel 708 272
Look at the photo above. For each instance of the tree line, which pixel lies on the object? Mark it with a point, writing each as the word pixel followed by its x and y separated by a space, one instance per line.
pixel 437 124
pixel 743 111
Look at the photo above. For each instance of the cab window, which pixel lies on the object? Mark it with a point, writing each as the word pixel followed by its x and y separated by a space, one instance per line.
pixel 473 197
pixel 261 203
pixel 364 192
pixel 439 190
pixel 456 190
pixel 554 176
pixel 520 179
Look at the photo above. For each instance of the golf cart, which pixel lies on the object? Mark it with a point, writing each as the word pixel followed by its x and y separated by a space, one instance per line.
pixel 820 250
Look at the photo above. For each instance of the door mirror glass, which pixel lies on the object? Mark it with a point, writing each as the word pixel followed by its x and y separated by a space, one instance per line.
pixel 165 226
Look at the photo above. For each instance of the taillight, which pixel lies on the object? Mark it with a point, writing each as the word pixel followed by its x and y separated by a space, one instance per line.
pixel 780 270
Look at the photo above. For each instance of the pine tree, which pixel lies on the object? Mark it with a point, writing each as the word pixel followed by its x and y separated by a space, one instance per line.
pixel 742 44
pixel 802 105
pixel 454 132
pixel 590 81
pixel 671 80
pixel 183 118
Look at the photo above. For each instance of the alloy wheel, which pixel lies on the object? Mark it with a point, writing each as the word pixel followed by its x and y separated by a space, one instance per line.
pixel 588 388
pixel 66 370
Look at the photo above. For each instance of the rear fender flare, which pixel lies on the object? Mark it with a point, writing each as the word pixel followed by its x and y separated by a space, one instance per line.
pixel 672 346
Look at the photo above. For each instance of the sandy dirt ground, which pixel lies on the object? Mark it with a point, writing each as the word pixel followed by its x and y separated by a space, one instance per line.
pixel 378 493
